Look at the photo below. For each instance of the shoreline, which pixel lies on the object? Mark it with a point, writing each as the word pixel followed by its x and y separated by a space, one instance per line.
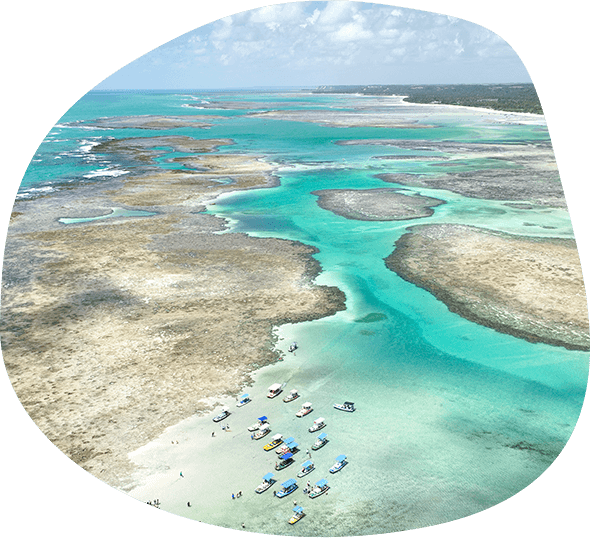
pixel 128 300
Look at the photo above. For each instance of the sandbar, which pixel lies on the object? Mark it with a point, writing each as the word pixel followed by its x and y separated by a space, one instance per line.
pixel 531 288
pixel 115 329
pixel 376 204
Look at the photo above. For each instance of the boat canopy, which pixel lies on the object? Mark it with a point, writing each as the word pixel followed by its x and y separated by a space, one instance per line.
pixel 349 404
pixel 289 483
pixel 277 437
pixel 244 396
pixel 307 404
pixel 341 458
pixel 264 427
pixel 321 483
pixel 298 509
pixel 262 419
pixel 319 420
pixel 267 476
pixel 322 436
pixel 292 444
pixel 287 456
pixel 274 387
pixel 289 440
pixel 224 409
pixel 293 391
pixel 307 463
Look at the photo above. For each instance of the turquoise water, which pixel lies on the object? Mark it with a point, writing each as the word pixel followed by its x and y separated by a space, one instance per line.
pixel 459 417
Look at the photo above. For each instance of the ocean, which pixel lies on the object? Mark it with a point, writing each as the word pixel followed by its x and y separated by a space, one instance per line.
pixel 452 417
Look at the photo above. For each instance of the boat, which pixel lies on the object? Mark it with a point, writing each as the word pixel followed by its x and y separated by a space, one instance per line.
pixel 320 441
pixel 288 487
pixel 289 447
pixel 261 432
pixel 276 441
pixel 261 421
pixel 293 347
pixel 306 408
pixel 340 462
pixel 244 399
pixel 293 395
pixel 274 390
pixel 318 424
pixel 346 406
pixel 267 482
pixel 286 460
pixel 224 414
pixel 283 449
pixel 306 468
pixel 298 514
pixel 321 486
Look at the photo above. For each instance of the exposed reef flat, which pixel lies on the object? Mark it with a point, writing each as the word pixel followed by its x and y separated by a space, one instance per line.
pixel 522 172
pixel 344 118
pixel 153 123
pixel 515 285
pixel 115 329
pixel 375 204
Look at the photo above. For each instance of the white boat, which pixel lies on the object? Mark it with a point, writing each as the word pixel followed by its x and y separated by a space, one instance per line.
pixel 306 468
pixel 256 426
pixel 318 424
pixel 243 400
pixel 293 347
pixel 283 449
pixel 293 395
pixel 340 462
pixel 274 390
pixel 320 441
pixel 346 406
pixel 306 408
pixel 267 482
pixel 261 432
pixel 224 414
pixel 321 486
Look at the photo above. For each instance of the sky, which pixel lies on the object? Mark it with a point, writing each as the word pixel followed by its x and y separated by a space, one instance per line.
pixel 317 43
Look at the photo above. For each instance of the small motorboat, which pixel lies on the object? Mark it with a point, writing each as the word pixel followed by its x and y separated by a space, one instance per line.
pixel 318 424
pixel 261 432
pixel 288 487
pixel 306 468
pixel 274 390
pixel 243 400
pixel 340 462
pixel 306 408
pixel 267 482
pixel 293 395
pixel 291 447
pixel 320 441
pixel 346 406
pixel 276 441
pixel 257 425
pixel 283 449
pixel 224 414
pixel 293 347
pixel 286 460
pixel 321 486
pixel 297 515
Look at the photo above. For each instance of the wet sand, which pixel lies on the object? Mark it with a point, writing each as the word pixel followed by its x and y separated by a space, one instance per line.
pixel 513 284
pixel 116 329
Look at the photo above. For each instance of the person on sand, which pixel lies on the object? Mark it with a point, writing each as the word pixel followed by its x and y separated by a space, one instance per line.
pixel 233 496
pixel 212 434
pixel 188 504
pixel 181 475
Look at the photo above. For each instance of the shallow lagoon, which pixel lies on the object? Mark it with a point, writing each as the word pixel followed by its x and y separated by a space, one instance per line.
pixel 452 417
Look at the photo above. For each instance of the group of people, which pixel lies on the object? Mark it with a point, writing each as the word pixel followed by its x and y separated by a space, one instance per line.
pixel 238 494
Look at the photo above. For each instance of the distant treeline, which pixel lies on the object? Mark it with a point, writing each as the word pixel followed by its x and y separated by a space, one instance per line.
pixel 508 97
